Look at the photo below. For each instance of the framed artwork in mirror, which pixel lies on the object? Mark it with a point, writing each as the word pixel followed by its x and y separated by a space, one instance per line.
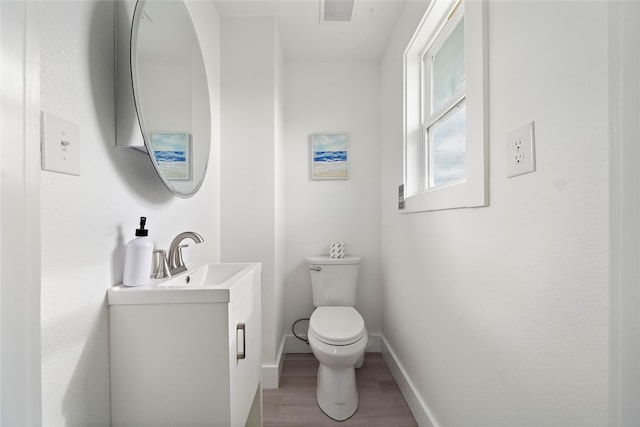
pixel 329 155
pixel 172 154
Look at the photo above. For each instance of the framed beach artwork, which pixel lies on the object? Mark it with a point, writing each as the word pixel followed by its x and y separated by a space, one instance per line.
pixel 329 155
pixel 172 153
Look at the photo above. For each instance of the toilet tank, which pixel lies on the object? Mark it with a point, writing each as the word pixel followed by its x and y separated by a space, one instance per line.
pixel 334 280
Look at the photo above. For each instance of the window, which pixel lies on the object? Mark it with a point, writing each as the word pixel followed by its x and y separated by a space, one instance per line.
pixel 446 110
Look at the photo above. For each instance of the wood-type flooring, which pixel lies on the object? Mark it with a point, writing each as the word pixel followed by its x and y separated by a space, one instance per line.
pixel 294 403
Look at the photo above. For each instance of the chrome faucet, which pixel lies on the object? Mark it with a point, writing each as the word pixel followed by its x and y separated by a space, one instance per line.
pixel 176 263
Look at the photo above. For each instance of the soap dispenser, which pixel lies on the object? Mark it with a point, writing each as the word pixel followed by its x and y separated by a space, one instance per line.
pixel 137 263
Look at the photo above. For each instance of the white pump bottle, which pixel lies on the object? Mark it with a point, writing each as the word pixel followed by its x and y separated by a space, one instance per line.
pixel 139 254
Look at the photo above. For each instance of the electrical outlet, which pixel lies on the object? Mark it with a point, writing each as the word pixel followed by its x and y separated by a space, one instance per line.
pixel 520 151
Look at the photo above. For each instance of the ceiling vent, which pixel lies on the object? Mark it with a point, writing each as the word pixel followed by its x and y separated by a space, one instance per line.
pixel 336 10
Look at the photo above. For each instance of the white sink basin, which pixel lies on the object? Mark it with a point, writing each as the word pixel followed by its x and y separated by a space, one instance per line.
pixel 204 276
pixel 204 283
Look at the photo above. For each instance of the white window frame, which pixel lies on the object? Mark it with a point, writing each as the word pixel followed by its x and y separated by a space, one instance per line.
pixel 474 190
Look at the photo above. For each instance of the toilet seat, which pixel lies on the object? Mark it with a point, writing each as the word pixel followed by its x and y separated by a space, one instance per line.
pixel 338 326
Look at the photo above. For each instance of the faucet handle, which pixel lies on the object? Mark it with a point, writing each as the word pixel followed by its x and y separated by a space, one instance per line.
pixel 179 260
pixel 163 266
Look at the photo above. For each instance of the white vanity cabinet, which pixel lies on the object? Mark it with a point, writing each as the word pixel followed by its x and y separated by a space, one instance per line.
pixel 187 356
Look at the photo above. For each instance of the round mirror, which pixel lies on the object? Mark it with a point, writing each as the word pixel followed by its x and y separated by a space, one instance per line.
pixel 171 93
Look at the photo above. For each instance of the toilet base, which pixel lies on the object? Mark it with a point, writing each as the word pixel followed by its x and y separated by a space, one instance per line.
pixel 336 392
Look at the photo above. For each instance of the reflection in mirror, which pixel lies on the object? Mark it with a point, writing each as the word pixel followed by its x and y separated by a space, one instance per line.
pixel 171 93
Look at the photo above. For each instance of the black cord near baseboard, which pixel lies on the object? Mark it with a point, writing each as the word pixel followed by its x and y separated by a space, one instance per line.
pixel 293 331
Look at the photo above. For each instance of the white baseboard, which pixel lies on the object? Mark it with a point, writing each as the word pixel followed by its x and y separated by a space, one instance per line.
pixel 271 373
pixel 419 409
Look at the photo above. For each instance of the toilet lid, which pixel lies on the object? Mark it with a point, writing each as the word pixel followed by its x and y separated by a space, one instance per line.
pixel 337 325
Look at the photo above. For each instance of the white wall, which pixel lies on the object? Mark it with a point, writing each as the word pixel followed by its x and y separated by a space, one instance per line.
pixel 498 315
pixel 323 97
pixel 251 172
pixel 87 220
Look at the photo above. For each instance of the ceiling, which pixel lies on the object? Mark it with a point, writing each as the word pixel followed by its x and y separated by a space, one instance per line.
pixel 304 37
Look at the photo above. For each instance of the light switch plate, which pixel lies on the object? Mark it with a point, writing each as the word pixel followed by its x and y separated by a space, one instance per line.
pixel 60 145
pixel 520 151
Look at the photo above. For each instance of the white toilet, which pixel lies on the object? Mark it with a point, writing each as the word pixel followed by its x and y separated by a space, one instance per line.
pixel 337 334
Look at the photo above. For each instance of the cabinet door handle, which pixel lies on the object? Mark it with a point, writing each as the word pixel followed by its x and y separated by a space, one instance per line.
pixel 241 354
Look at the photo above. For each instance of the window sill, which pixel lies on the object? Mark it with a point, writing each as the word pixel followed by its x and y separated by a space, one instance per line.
pixel 453 196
